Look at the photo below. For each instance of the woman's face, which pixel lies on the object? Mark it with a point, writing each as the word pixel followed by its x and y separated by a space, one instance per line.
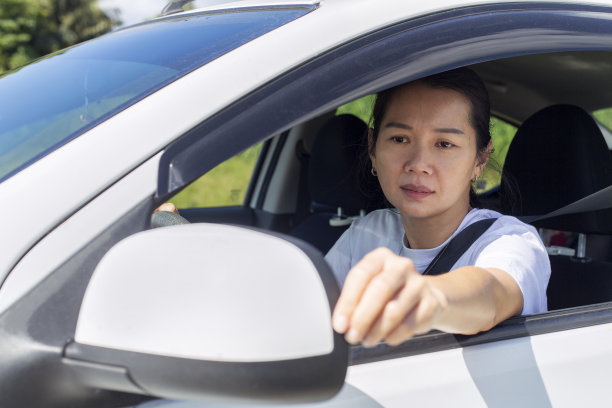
pixel 426 154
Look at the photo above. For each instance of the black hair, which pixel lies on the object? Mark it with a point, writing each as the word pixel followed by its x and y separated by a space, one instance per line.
pixel 462 80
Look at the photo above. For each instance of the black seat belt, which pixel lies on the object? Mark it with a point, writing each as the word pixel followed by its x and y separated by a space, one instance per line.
pixel 599 200
pixel 446 258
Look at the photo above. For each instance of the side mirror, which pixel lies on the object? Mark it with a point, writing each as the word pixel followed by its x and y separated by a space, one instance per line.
pixel 211 311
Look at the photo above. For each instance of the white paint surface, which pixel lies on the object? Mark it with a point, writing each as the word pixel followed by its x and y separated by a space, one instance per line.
pixel 63 242
pixel 561 369
pixel 207 291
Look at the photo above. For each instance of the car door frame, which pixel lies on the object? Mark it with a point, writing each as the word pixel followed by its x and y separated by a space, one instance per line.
pixel 401 53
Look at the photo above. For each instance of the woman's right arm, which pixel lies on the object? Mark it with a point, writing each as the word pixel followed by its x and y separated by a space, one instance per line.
pixel 385 298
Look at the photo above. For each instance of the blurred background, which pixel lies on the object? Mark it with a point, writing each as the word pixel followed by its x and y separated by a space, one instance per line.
pixel 30 29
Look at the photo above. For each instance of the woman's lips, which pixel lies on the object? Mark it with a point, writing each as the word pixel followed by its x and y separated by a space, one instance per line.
pixel 416 191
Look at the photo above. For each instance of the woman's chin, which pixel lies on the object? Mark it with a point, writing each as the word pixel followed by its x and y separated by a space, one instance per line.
pixel 417 210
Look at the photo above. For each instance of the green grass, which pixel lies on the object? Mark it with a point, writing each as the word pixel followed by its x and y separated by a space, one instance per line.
pixel 225 185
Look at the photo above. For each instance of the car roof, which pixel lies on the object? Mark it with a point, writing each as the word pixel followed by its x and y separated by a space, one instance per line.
pixel 404 9
pixel 417 7
pixel 434 4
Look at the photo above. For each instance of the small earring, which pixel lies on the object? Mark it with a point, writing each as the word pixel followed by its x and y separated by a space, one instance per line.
pixel 373 171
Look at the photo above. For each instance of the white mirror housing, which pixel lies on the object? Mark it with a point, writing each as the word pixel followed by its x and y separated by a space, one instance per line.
pixel 211 311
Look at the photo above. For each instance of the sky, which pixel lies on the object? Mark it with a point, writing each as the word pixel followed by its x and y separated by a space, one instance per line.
pixel 136 11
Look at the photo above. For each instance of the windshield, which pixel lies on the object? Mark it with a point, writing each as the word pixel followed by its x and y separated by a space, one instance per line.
pixel 50 102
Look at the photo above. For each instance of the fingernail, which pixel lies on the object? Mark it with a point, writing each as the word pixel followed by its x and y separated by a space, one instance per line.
pixel 368 343
pixel 340 323
pixel 353 336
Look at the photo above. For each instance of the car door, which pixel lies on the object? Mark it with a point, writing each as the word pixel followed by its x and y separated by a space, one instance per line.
pixel 527 359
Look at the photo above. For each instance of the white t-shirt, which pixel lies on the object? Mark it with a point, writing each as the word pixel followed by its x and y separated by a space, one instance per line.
pixel 509 245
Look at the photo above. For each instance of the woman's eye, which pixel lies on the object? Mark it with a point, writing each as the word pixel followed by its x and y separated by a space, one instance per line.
pixel 445 145
pixel 399 139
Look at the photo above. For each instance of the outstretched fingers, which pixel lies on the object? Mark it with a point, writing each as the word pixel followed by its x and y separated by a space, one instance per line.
pixel 369 287
pixel 421 317
pixel 396 311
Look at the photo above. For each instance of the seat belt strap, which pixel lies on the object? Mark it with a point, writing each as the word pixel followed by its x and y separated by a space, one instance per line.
pixel 450 254
pixel 599 200
pixel 446 258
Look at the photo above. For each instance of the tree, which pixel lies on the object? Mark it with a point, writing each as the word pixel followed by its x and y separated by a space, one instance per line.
pixel 32 28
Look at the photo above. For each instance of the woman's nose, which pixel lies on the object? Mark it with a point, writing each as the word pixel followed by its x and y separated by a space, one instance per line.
pixel 418 161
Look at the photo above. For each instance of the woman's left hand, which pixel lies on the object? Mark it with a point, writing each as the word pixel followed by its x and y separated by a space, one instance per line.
pixel 385 298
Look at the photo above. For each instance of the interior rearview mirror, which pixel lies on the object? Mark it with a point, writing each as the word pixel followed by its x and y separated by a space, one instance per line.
pixel 211 311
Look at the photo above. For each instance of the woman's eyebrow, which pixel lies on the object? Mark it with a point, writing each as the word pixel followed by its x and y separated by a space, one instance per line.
pixel 450 130
pixel 398 125
pixel 439 130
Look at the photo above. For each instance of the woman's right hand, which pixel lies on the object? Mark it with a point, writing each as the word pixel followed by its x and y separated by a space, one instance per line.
pixel 385 298
pixel 169 207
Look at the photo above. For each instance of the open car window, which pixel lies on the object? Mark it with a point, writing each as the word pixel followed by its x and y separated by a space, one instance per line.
pixel 225 185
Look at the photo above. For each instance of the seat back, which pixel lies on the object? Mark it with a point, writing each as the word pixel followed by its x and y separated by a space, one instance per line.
pixel 332 181
pixel 557 157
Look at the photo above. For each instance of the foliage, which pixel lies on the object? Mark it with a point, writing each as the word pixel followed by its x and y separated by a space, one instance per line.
pixel 362 108
pixel 32 28
pixel 604 116
pixel 502 134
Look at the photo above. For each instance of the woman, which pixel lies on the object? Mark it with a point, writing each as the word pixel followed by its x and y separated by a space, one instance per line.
pixel 430 140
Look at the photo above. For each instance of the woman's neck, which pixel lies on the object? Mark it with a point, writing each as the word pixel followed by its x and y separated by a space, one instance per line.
pixel 430 232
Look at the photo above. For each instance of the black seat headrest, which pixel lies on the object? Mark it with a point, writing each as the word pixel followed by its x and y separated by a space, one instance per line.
pixel 333 164
pixel 557 157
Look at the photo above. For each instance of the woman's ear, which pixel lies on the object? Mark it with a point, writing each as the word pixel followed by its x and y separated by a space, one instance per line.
pixel 486 155
pixel 483 159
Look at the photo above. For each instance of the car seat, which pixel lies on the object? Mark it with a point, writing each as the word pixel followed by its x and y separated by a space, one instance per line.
pixel 335 196
pixel 557 157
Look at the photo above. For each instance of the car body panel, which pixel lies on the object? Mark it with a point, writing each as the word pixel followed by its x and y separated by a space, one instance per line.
pixel 542 370
pixel 70 236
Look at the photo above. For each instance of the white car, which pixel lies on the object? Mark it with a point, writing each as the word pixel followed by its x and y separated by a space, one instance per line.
pixel 98 309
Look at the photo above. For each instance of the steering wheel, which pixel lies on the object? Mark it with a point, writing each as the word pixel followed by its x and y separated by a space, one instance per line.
pixel 166 218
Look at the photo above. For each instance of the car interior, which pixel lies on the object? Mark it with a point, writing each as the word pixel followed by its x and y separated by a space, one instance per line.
pixel 309 182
